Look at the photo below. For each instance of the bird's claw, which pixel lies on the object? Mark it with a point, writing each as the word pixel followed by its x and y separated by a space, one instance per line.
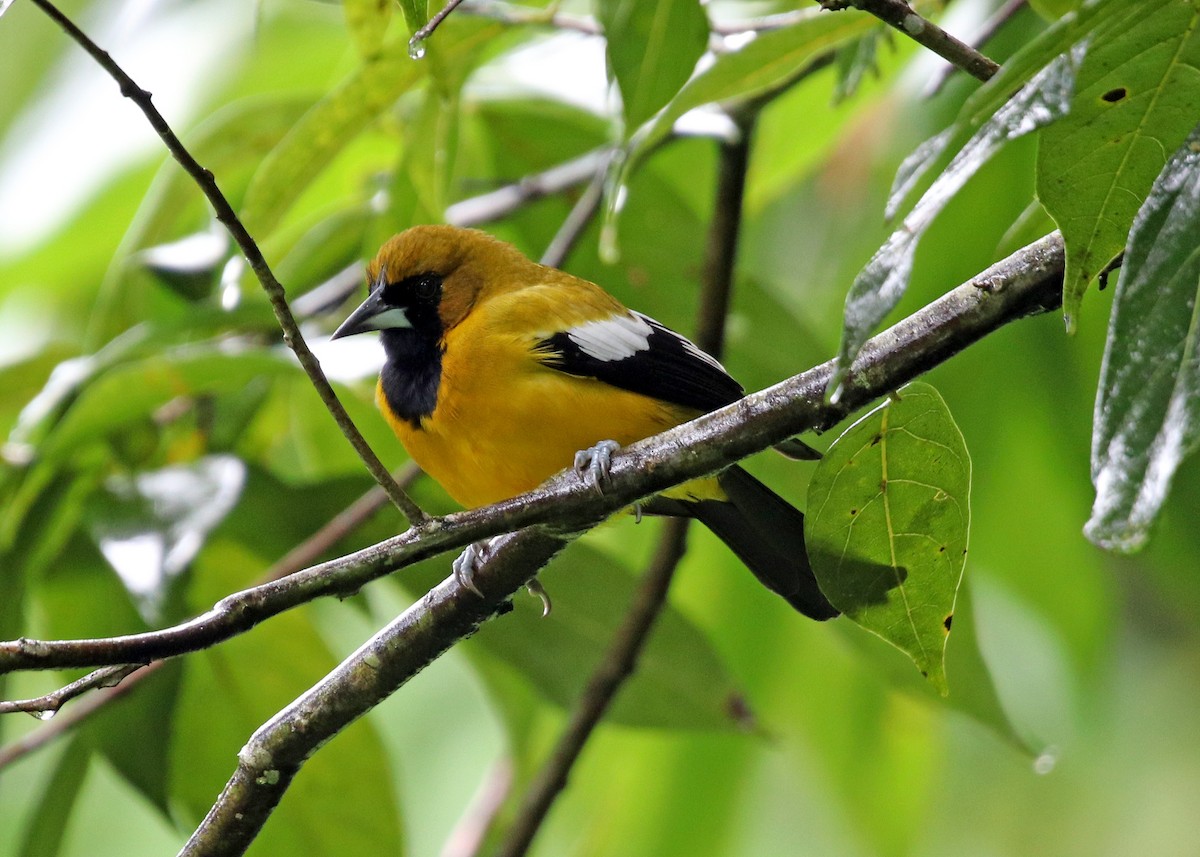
pixel 536 589
pixel 468 561
pixel 593 464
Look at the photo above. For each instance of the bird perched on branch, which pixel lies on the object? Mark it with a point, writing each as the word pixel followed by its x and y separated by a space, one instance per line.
pixel 500 370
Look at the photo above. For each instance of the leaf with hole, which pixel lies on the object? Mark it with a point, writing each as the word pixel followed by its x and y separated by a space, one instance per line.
pixel 888 519
pixel 1135 101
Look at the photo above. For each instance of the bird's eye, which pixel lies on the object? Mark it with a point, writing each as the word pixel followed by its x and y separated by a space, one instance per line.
pixel 426 286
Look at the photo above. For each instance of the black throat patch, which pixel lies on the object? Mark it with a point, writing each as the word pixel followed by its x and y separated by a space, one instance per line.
pixel 412 373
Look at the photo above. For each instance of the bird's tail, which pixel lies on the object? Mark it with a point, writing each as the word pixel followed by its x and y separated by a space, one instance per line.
pixel 767 534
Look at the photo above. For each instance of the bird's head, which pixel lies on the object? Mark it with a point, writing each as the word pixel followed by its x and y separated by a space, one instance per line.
pixel 427 278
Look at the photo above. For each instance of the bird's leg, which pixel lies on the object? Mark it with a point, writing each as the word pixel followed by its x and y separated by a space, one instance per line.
pixel 593 464
pixel 467 563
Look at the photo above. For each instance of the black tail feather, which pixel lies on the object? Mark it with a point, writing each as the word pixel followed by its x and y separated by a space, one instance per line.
pixel 765 532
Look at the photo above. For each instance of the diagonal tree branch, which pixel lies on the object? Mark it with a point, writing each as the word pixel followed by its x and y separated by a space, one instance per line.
pixel 258 263
pixel 1022 284
pixel 1028 282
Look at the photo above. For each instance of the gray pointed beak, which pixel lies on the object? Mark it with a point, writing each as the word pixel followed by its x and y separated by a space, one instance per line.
pixel 372 314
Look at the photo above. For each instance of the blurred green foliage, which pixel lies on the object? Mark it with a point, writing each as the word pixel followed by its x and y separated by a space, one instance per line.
pixel 1074 675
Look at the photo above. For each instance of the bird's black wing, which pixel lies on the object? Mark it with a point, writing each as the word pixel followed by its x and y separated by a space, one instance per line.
pixel 636 353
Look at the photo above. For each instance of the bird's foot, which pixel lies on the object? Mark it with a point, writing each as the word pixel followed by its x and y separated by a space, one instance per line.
pixel 536 589
pixel 593 464
pixel 467 562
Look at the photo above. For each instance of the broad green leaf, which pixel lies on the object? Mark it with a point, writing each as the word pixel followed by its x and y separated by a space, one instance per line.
pixel 1148 402
pixel 1136 100
pixel 880 285
pixel 888 518
pixel 652 49
pixel 680 680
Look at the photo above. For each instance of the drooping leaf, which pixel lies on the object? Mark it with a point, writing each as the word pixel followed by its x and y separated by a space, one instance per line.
pixel 888 519
pixel 880 285
pixel 1135 101
pixel 652 49
pixel 1148 401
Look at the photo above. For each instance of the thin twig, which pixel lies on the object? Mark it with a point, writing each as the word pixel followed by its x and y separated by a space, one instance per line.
pixel 898 14
pixel 46 706
pixel 68 720
pixel 275 291
pixel 985 34
pixel 517 16
pixel 577 221
pixel 425 32
pixel 610 674
pixel 1026 283
pixel 501 202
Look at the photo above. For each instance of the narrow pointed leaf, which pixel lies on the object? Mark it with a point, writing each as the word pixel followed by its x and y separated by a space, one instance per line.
pixel 888 518
pixel 1148 403
pixel 1136 100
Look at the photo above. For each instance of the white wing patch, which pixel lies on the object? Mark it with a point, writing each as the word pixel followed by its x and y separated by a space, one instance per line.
pixel 690 347
pixel 617 337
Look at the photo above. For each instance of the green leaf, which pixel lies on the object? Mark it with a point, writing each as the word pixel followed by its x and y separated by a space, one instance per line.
pixel 769 62
pixel 1148 402
pixel 889 513
pixel 882 282
pixel 1135 102
pixel 680 680
pixel 652 50
pixel 416 13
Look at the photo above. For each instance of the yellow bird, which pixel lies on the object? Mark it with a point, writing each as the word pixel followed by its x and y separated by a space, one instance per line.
pixel 500 370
